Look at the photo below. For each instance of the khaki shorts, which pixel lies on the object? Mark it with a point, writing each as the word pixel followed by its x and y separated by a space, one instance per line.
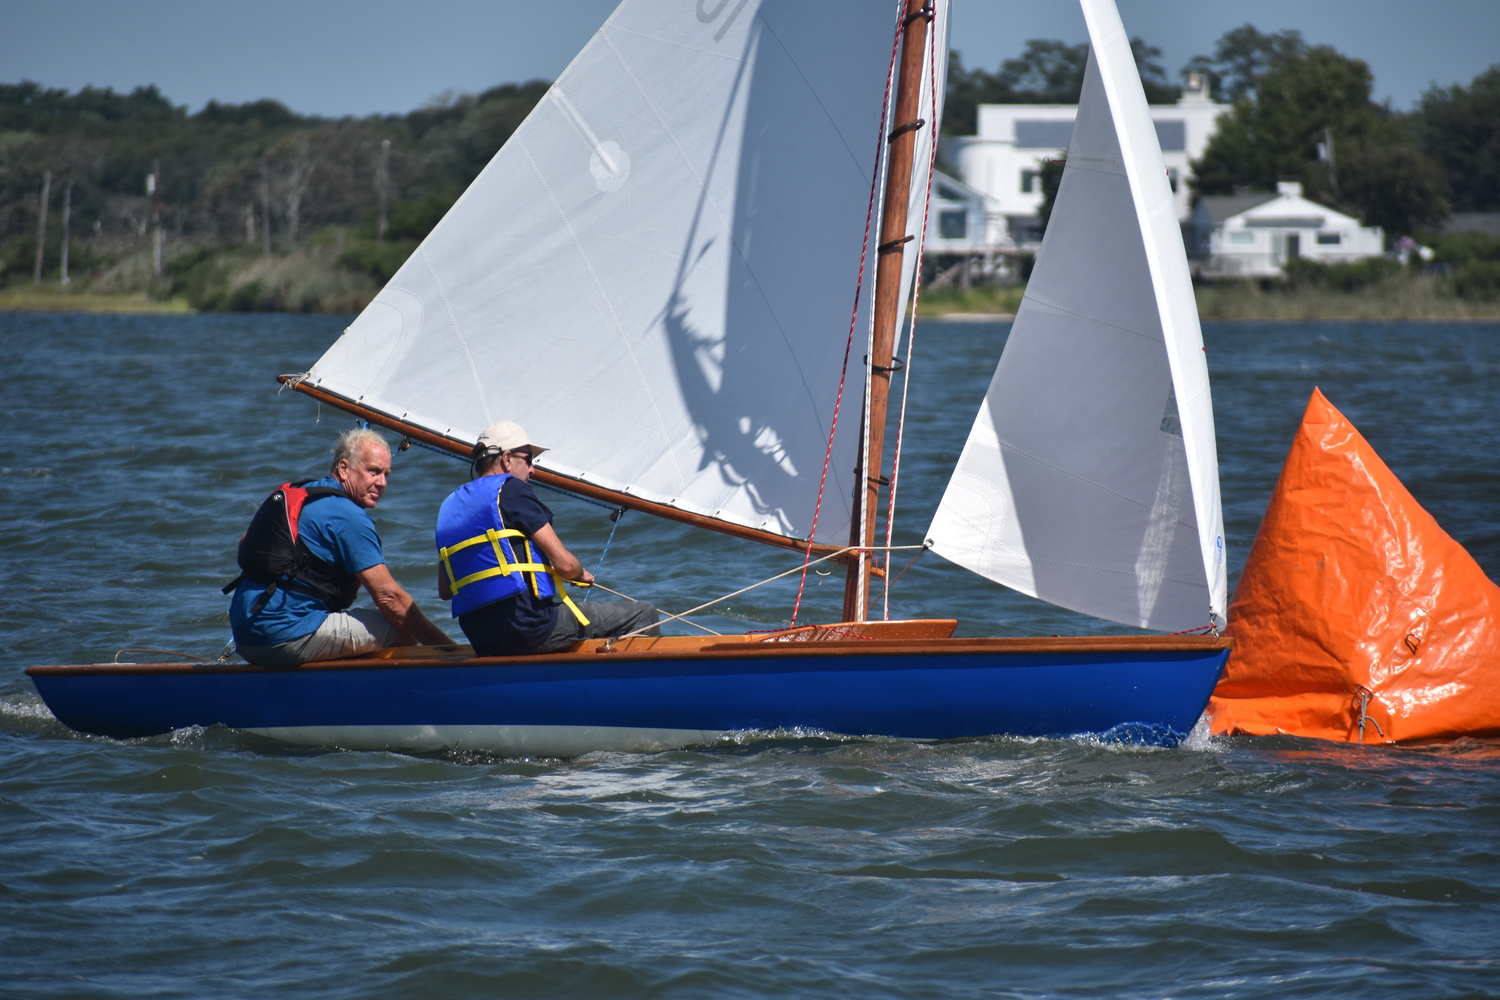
pixel 343 633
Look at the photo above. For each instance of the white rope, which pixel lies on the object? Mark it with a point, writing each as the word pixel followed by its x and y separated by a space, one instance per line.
pixel 627 597
pixel 770 579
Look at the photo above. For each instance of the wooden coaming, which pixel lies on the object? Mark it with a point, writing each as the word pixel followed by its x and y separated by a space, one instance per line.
pixel 688 648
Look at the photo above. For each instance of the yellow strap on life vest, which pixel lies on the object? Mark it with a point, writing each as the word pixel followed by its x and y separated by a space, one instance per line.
pixel 506 567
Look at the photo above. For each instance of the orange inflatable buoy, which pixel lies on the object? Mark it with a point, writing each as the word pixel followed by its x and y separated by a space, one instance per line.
pixel 1357 618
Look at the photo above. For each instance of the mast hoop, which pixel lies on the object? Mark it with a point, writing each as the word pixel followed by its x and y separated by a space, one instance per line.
pixel 896 365
pixel 894 246
pixel 910 126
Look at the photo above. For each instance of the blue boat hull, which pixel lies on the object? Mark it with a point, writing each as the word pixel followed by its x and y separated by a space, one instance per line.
pixel 569 704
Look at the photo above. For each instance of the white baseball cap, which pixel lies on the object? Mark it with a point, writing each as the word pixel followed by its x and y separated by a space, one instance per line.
pixel 506 435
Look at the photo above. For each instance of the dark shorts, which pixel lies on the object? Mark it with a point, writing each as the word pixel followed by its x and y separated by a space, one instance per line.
pixel 606 618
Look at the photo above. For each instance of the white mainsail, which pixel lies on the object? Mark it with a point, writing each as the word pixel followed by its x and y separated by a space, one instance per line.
pixel 1090 476
pixel 655 275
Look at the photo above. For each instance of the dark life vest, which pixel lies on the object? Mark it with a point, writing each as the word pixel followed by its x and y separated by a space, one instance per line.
pixel 272 555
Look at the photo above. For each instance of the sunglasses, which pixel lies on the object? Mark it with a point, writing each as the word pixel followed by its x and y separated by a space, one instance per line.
pixel 525 456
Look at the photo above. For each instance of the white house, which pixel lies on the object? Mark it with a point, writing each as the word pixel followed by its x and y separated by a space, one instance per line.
pixel 965 231
pixel 1254 235
pixel 961 219
pixel 1004 159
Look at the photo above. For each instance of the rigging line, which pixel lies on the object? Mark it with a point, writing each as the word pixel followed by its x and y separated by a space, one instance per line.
pixel 911 334
pixel 770 579
pixel 614 522
pixel 912 563
pixel 838 399
pixel 602 587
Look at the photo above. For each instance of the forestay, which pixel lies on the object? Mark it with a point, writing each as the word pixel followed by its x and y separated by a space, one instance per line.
pixel 1090 477
pixel 655 275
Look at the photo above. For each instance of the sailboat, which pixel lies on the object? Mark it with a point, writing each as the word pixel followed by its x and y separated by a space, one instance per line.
pixel 682 272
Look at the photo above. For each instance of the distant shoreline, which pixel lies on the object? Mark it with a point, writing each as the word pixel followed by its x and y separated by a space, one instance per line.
pixel 1400 299
pixel 1213 306
pixel 33 299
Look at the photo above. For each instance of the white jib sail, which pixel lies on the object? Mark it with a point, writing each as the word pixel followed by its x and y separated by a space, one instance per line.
pixel 655 275
pixel 1090 477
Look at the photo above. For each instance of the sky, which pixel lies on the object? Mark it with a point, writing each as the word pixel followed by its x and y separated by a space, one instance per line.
pixel 341 57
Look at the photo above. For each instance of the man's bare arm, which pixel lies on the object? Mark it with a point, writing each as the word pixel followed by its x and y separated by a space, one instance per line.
pixel 398 607
pixel 558 556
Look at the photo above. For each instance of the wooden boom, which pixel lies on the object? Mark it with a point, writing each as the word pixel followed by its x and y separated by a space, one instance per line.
pixel 582 488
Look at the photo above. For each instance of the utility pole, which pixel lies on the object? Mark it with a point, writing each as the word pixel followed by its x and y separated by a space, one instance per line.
pixel 67 218
pixel 382 188
pixel 153 188
pixel 265 206
pixel 41 226
pixel 1333 176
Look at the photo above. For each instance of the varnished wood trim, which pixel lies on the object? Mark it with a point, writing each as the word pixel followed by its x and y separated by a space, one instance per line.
pixel 582 488
pixel 636 650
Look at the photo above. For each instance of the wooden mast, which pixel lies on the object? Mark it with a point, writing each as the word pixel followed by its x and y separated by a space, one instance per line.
pixel 890 256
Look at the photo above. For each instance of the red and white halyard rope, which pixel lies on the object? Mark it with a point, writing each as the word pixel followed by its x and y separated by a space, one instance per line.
pixel 854 315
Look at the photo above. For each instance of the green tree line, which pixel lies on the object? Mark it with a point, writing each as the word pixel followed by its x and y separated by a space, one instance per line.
pixel 223 173
pixel 236 185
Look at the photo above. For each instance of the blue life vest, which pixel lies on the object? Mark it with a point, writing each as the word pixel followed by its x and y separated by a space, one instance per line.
pixel 483 560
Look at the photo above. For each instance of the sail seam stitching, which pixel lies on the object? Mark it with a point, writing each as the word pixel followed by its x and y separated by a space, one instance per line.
pixel 1049 304
pixel 1017 450
pixel 459 332
pixel 599 286
pixel 723 222
pixel 819 100
pixel 1112 60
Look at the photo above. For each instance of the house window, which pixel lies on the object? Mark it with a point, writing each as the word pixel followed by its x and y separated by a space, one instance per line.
pixel 948 194
pixel 1329 239
pixel 953 225
pixel 1242 239
pixel 1028 180
pixel 1172 178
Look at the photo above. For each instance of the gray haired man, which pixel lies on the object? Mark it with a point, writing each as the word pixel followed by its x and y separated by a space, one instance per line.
pixel 309 550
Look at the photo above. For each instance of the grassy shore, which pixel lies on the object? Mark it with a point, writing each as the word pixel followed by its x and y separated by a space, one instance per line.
pixel 1422 297
pixel 336 272
pixel 987 300
pixel 319 275
pixel 51 298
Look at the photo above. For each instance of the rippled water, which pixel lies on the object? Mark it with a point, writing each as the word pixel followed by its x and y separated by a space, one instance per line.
pixel 218 864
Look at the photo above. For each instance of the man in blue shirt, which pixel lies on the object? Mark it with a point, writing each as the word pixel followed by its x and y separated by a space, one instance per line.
pixel 289 626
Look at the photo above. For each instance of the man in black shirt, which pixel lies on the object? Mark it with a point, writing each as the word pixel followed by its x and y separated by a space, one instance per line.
pixel 510 613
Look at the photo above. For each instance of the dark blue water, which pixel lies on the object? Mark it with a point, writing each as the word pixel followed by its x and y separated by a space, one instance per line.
pixel 218 864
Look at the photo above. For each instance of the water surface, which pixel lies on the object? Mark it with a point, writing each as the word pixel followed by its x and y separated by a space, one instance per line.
pixel 213 863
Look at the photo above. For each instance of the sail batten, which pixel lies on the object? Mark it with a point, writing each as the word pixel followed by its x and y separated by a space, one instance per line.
pixel 1090 478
